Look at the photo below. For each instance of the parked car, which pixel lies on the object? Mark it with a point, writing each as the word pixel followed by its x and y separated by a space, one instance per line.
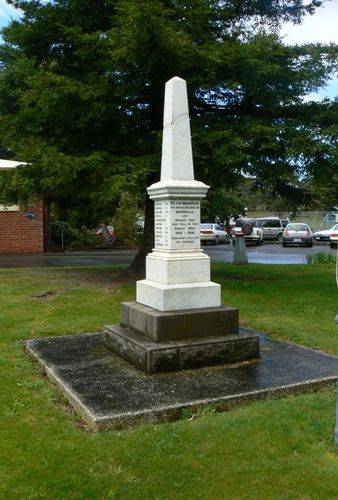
pixel 334 239
pixel 297 233
pixel 272 227
pixel 257 233
pixel 324 235
pixel 213 233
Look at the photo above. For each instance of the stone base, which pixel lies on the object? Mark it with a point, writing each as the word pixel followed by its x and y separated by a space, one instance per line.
pixel 152 357
pixel 179 325
pixel 177 297
pixel 160 341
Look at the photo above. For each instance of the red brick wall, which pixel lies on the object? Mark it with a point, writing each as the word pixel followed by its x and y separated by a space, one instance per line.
pixel 19 234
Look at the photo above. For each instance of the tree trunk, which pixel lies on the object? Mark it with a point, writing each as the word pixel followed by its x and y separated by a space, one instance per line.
pixel 63 212
pixel 138 266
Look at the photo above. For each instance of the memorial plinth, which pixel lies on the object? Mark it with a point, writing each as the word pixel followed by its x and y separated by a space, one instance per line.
pixel 178 321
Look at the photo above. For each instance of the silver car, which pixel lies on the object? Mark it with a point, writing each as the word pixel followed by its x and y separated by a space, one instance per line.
pixel 272 227
pixel 297 233
pixel 213 233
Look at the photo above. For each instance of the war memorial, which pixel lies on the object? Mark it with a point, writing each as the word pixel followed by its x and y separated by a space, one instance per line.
pixel 177 320
pixel 176 346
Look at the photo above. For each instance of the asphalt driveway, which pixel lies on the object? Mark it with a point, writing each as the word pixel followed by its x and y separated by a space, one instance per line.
pixel 269 253
pixel 67 259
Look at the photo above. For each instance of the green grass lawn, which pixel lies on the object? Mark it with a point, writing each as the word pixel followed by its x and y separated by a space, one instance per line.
pixel 273 449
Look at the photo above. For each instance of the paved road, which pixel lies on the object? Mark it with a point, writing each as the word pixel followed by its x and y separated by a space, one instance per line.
pixel 270 253
pixel 68 259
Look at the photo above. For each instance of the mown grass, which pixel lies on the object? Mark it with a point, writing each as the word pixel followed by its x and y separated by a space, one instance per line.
pixel 274 449
pixel 295 303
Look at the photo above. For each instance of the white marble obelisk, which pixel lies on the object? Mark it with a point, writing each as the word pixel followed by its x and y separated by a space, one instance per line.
pixel 177 270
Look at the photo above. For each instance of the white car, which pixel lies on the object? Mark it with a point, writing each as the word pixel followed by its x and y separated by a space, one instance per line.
pixel 334 239
pixel 325 234
pixel 213 233
pixel 257 233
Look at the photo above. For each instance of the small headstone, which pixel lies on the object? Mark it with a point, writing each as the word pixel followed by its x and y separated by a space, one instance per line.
pixel 240 254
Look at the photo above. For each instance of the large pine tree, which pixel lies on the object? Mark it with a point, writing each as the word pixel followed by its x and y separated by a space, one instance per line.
pixel 81 98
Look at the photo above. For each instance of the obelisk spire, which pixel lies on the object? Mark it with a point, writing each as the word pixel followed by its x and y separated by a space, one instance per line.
pixel 177 162
pixel 177 270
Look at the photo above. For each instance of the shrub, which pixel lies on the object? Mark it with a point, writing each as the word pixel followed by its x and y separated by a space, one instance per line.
pixel 86 240
pixel 320 258
pixel 126 222
pixel 75 239
pixel 61 230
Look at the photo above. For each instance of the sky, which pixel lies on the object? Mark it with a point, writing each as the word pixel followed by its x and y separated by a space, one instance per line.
pixel 6 13
pixel 321 27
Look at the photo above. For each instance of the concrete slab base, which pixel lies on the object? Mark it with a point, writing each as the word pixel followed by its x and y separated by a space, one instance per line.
pixel 110 393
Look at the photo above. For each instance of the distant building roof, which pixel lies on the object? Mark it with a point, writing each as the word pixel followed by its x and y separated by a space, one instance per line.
pixel 9 164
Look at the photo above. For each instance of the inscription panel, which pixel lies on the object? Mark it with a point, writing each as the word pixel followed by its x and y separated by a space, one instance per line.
pixel 162 224
pixel 177 224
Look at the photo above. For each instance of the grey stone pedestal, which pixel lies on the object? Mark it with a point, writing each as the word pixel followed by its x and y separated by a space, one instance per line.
pixel 240 254
pixel 336 427
pixel 156 341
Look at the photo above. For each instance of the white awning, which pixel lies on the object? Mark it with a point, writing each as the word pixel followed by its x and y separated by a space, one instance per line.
pixel 9 164
pixel 9 208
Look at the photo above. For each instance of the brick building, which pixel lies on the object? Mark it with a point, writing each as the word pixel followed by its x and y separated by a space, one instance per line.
pixel 22 228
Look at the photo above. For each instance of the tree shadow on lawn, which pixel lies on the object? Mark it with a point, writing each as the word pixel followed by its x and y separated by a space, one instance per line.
pixel 86 276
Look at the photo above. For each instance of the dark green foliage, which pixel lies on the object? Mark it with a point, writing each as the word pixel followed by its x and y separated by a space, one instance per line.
pixel 81 97
pixel 87 240
pixel 222 204
pixel 62 236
